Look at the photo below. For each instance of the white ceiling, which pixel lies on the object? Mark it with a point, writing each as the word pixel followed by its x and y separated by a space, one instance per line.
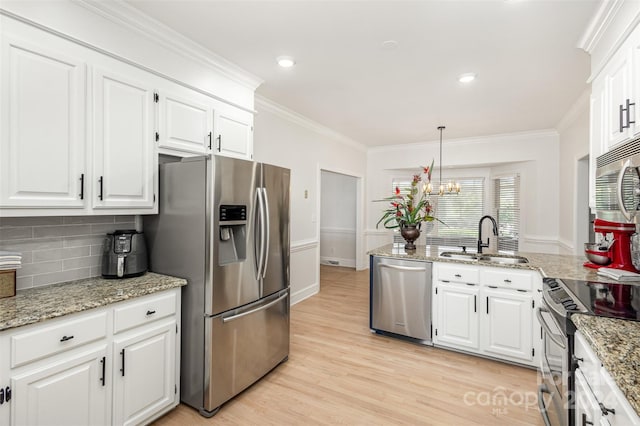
pixel 529 69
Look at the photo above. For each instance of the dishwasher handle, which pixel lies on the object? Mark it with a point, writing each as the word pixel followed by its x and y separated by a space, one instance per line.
pixel 403 268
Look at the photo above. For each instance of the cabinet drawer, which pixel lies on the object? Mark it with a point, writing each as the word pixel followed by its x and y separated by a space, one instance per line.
pixel 45 341
pixel 508 278
pixel 143 312
pixel 458 273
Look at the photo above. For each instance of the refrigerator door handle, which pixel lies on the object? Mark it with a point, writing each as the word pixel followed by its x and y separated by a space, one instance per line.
pixel 265 205
pixel 258 235
pixel 253 311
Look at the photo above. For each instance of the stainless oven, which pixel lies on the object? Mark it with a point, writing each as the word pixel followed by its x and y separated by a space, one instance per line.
pixel 561 298
pixel 556 388
pixel 554 375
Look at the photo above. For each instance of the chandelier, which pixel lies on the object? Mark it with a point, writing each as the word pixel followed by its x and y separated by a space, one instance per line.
pixel 452 187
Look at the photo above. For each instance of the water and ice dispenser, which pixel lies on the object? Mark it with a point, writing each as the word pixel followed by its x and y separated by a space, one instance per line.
pixel 232 245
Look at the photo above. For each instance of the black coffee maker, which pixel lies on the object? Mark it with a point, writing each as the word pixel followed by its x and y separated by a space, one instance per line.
pixel 124 254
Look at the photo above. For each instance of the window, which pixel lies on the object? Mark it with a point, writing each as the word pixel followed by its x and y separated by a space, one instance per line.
pixel 459 212
pixel 507 211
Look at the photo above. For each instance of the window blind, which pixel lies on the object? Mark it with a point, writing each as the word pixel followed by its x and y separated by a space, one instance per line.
pixel 507 211
pixel 458 212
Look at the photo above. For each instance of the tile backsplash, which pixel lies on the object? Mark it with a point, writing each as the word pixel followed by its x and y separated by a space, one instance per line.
pixel 58 248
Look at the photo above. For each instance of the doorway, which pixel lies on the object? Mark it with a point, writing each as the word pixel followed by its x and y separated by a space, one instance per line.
pixel 338 219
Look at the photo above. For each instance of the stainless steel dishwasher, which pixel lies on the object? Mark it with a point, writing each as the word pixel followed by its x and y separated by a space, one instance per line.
pixel 400 300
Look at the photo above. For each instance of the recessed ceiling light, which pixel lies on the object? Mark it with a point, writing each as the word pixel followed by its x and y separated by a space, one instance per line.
pixel 467 77
pixel 389 45
pixel 285 61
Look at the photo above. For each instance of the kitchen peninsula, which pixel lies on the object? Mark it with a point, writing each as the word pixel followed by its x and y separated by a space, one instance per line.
pixel 484 307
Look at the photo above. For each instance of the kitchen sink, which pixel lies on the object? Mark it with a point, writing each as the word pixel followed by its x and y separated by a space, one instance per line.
pixel 458 255
pixel 505 260
pixel 489 258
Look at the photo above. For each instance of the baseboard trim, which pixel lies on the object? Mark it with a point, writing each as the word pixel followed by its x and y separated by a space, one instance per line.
pixel 305 293
pixel 348 263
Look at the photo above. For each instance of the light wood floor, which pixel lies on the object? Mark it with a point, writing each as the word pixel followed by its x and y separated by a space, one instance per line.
pixel 340 373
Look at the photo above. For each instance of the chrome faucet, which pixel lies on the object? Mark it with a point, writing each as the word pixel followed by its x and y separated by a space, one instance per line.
pixel 495 232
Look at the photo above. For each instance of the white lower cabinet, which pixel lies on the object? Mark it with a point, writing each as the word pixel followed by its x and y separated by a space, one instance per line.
pixel 508 323
pixel 144 377
pixel 68 392
pixel 114 365
pixel 487 311
pixel 457 316
pixel 598 399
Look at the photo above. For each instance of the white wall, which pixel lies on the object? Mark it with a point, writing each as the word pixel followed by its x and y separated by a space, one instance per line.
pixel 534 155
pixel 285 138
pixel 338 219
pixel 574 145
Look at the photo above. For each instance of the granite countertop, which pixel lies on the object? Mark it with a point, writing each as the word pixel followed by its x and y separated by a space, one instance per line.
pixel 42 303
pixel 549 265
pixel 617 345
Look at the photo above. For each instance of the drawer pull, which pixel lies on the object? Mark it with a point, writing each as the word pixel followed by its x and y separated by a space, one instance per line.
pixel 103 362
pixel 606 410
pixel 507 281
pixel 65 338
pixel 458 276
pixel 151 312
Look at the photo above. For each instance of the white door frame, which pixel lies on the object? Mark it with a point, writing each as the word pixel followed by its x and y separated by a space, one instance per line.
pixel 361 262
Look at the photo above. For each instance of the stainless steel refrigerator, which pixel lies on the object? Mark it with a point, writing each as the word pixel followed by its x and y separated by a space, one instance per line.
pixel 223 224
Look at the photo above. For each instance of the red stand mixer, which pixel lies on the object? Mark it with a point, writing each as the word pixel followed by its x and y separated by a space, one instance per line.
pixel 614 253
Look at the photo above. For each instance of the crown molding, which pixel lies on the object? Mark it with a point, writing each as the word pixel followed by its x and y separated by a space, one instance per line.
pixel 599 24
pixel 125 15
pixel 579 106
pixel 267 105
pixel 469 141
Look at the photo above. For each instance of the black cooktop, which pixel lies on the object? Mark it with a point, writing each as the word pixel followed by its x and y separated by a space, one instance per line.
pixel 602 299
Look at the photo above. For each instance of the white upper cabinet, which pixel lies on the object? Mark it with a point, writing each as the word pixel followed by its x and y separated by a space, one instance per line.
pixel 124 158
pixel 596 135
pixel 81 127
pixel 186 123
pixel 617 77
pixel 191 123
pixel 634 112
pixel 234 135
pixel 615 96
pixel 42 142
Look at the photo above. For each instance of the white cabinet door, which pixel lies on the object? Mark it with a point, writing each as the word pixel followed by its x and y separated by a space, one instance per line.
pixel 617 77
pixel 234 132
pixel 42 155
pixel 124 152
pixel 456 322
pixel 186 124
pixel 507 323
pixel 634 113
pixel 587 410
pixel 144 373
pixel 597 134
pixel 71 392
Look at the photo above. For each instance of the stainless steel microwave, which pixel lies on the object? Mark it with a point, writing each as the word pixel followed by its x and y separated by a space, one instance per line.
pixel 618 184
